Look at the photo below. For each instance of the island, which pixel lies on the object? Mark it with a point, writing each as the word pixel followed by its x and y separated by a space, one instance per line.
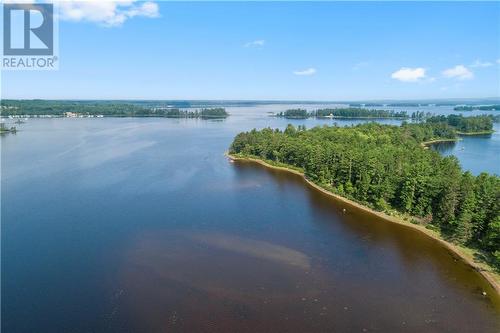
pixel 476 125
pixel 74 109
pixel 383 169
pixel 4 129
pixel 354 113
pixel 494 107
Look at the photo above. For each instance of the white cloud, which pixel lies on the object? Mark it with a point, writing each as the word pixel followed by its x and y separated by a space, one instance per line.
pixel 459 72
pixel 107 13
pixel 255 43
pixel 305 72
pixel 498 61
pixel 407 74
pixel 479 63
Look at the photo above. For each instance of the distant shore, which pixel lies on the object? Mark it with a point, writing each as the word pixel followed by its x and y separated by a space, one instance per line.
pixel 466 254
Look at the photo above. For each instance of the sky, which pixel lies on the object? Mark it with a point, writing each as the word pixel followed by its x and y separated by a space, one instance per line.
pixel 270 51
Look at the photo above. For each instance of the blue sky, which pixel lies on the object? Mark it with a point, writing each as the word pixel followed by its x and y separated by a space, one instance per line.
pixel 259 50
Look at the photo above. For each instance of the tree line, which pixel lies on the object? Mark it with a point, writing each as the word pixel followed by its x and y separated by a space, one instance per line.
pixel 342 113
pixel 476 124
pixel 385 167
pixel 458 123
pixel 495 107
pixel 105 108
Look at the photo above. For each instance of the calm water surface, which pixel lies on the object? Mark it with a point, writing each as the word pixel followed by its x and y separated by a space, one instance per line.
pixel 142 225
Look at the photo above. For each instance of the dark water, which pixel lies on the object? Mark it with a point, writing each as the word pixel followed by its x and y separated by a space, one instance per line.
pixel 142 225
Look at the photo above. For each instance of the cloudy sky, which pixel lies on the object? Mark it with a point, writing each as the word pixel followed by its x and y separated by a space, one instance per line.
pixel 258 50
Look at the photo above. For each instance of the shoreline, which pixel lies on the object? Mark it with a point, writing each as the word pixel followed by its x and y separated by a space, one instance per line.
pixel 426 144
pixel 463 253
pixel 475 133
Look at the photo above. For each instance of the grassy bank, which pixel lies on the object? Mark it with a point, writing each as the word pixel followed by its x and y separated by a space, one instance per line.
pixel 468 255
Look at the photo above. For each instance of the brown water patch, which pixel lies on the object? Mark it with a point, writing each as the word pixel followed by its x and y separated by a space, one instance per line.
pixel 216 282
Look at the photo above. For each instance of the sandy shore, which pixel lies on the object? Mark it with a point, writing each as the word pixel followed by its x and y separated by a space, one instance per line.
pixel 465 254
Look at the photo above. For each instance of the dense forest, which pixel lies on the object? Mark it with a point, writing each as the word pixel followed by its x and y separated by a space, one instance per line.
pixel 476 124
pixel 105 108
pixel 462 125
pixel 386 168
pixel 342 113
pixel 359 113
pixel 294 114
pixel 477 107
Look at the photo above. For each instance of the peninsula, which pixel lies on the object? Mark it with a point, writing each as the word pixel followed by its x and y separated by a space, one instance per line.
pixel 384 169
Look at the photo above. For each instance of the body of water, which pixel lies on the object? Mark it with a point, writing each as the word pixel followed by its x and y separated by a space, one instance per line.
pixel 142 225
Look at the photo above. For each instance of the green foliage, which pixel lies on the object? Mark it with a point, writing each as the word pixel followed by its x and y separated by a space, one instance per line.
pixel 105 108
pixel 463 124
pixel 477 107
pixel 294 114
pixel 5 129
pixel 342 113
pixel 358 113
pixel 385 167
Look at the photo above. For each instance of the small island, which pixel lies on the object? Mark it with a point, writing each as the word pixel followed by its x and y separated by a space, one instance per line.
pixel 494 107
pixel 384 169
pixel 477 125
pixel 356 113
pixel 4 129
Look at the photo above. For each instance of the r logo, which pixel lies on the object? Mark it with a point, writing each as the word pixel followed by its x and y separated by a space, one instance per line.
pixel 28 29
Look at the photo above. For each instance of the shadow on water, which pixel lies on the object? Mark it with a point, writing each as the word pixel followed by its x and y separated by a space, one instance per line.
pixel 349 271
pixel 413 248
pixel 394 257
pixel 444 147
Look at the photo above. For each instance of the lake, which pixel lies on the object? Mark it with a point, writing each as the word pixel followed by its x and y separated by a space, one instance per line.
pixel 142 225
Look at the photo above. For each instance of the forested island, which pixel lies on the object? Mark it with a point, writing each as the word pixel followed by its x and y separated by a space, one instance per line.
pixel 31 108
pixel 466 125
pixel 482 124
pixel 342 113
pixel 384 167
pixel 495 107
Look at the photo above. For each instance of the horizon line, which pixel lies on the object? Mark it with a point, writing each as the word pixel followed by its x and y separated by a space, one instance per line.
pixel 263 100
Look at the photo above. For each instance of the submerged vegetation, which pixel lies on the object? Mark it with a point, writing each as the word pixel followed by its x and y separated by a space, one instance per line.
pixel 102 108
pixel 385 168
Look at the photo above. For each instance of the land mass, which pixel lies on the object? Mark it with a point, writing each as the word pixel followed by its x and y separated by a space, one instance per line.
pixel 384 168
pixel 468 255
pixel 4 129
pixel 357 113
pixel 36 108
pixel 495 107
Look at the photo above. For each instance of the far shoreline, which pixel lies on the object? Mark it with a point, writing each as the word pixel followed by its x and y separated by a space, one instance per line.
pixel 463 253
